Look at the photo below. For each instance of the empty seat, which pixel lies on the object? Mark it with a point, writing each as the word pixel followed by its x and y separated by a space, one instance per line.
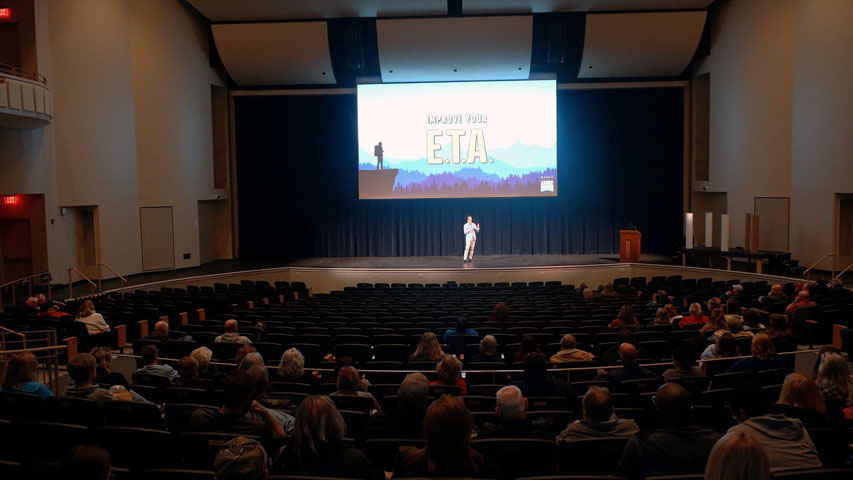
pixel 138 447
pixel 133 414
pixel 20 406
pixel 75 411
pixel 518 457
pixel 597 456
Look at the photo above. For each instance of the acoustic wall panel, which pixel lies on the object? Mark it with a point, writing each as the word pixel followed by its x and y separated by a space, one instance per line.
pixel 158 238
pixel 455 48
pixel 640 44
pixel 285 53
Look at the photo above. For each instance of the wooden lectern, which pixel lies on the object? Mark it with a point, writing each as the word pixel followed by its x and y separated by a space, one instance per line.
pixel 629 245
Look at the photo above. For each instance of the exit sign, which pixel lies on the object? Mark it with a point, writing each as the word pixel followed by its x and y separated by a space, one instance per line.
pixel 5 12
pixel 10 199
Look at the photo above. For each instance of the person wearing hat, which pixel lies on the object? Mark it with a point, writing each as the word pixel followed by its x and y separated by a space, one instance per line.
pixel 241 458
pixel 405 421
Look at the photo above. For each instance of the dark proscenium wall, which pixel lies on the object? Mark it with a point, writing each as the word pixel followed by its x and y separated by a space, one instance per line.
pixel 619 161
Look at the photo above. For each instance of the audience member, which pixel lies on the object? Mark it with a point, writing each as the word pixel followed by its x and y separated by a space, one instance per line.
pixel 203 356
pixel 752 319
pixel 348 384
pixel 461 328
pixel 609 291
pixel 241 458
pixel 242 352
pixel 801 399
pixel 488 351
pixel 779 326
pixel 250 360
pixel 260 378
pixel 801 301
pixel 22 376
pixel 734 310
pixel 94 321
pixel 291 368
pixel 537 382
pixel 428 350
pixel 237 401
pixel 501 313
pixel 151 364
pixel 569 351
pixel 160 333
pixel 82 369
pixel 405 421
pixel 447 448
pixel 86 462
pixel 833 378
pixel 630 369
pixel 318 448
pixel 624 318
pixel 676 446
pixel 734 325
pixel 449 371
pixel 103 355
pixel 785 441
pixel 763 357
pixel 527 346
pixel 231 335
pixel 659 299
pixel 774 297
pixel 511 411
pixel 684 364
pixel 188 374
pixel 626 335
pixel 599 419
pixel 716 322
pixel 724 346
pixel 674 316
pixel 737 456
pixel 662 317
pixel 695 316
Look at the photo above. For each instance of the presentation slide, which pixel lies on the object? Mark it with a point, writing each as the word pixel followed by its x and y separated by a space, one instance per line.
pixel 457 140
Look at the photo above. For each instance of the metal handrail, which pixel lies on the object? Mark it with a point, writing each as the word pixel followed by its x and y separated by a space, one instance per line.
pixel 20 72
pixel 808 270
pixel 29 287
pixel 84 277
pixel 838 277
pixel 101 276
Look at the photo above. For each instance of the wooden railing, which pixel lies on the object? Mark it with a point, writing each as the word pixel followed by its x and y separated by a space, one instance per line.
pixel 812 266
pixel 20 72
pixel 120 277
pixel 84 277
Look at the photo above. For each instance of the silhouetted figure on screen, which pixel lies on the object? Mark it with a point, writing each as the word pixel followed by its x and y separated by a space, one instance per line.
pixel 377 152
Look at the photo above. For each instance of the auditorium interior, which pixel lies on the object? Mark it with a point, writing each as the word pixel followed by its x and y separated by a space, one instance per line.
pixel 194 283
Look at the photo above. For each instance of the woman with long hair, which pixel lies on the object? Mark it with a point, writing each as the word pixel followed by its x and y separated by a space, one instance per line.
pixel 737 456
pixel 447 448
pixel 694 317
pixel 833 378
pixel 662 317
pixel 348 384
pixel 94 321
pixel 291 368
pixel 801 398
pixel 717 321
pixel 449 371
pixel 429 350
pixel 625 317
pixel 318 448
pixel 22 376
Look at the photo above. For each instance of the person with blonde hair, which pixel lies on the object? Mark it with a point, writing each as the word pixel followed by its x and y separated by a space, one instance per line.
pixel 695 316
pixel 94 321
pixel 318 448
pixel 291 368
pixel 348 384
pixel 801 399
pixel 833 378
pixel 734 325
pixel 763 357
pixel 22 376
pixel 737 456
pixel 449 371
pixel 429 350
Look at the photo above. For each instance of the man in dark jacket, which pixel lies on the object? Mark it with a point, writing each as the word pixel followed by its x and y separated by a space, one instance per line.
pixel 512 413
pixel 538 383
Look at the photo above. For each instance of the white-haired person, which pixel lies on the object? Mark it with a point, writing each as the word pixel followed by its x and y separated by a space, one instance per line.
pixel 291 368
pixel 488 351
pixel 511 410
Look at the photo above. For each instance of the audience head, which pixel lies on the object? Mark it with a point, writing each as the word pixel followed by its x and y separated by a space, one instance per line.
pixel 261 378
pixel 737 456
pixel 162 327
pixel 317 422
pixel 778 322
pixel 187 368
pixel 718 319
pixel 22 368
pixel 528 345
pixel 86 308
pixel 776 289
pixel 241 458
pixel 588 294
pixel 414 391
pixel 672 403
pixel 714 302
pixel 104 357
pixel 696 310
pixel 833 371
pixel 626 335
pixel 231 326
pixel 762 347
pixel 348 380
pixel 32 302
pixel 734 324
pixel 628 354
pixel 597 405
pixel 148 354
pixel 671 310
pixel 683 357
pixel 733 307
pixel 82 368
pixel 250 360
pixel 238 391
pixel 747 401
pixel 511 404
pixel 802 392
pixel 501 311
pixel 489 345
pixel 661 297
pixel 803 296
pixel 751 318
pixel 428 348
pixel 86 462
pixel 292 364
pixel 662 317
pixel 726 346
pixel 447 435
pixel 462 324
pixel 737 289
pixel 242 352
pixel 535 365
pixel 626 314
pixel 568 342
pixel 42 299
pixel 202 355
pixel 449 368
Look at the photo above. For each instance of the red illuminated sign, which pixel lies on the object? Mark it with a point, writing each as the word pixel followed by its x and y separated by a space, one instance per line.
pixel 10 199
pixel 5 12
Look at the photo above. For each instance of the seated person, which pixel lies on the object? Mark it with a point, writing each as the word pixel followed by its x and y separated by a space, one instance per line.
pixel 801 399
pixel 599 419
pixel 449 371
pixel 237 401
pixel 801 301
pixel 348 384
pixel 624 318
pixel 318 448
pixel 537 382
pixel 82 369
pixel 737 457
pixel 203 355
pixel 695 316
pixel 734 310
pixel 488 351
pixel 161 333
pixel 723 346
pixel 625 335
pixel 569 352
pixel 291 368
pixel 262 384
pixel 786 442
pixel 22 376
pixel 428 350
pixel 630 369
pixel 105 362
pixel 774 297
pixel 833 378
pixel 188 374
pixel 763 357
pixel 150 362
pixel 241 458
pixel 752 319
pixel 527 346
pixel 461 328
pixel 662 317
pixel 779 326
pixel 734 325
pixel 511 410
pixel 231 335
pixel 95 323
pixel 676 446
pixel 684 363
pixel 87 462
pixel 405 421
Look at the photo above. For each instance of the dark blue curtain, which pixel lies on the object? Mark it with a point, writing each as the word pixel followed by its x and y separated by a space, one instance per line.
pixel 619 161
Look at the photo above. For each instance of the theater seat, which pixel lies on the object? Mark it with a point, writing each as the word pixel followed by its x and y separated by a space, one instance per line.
pixel 174 474
pixel 519 456
pixel 815 474
pixel 595 456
